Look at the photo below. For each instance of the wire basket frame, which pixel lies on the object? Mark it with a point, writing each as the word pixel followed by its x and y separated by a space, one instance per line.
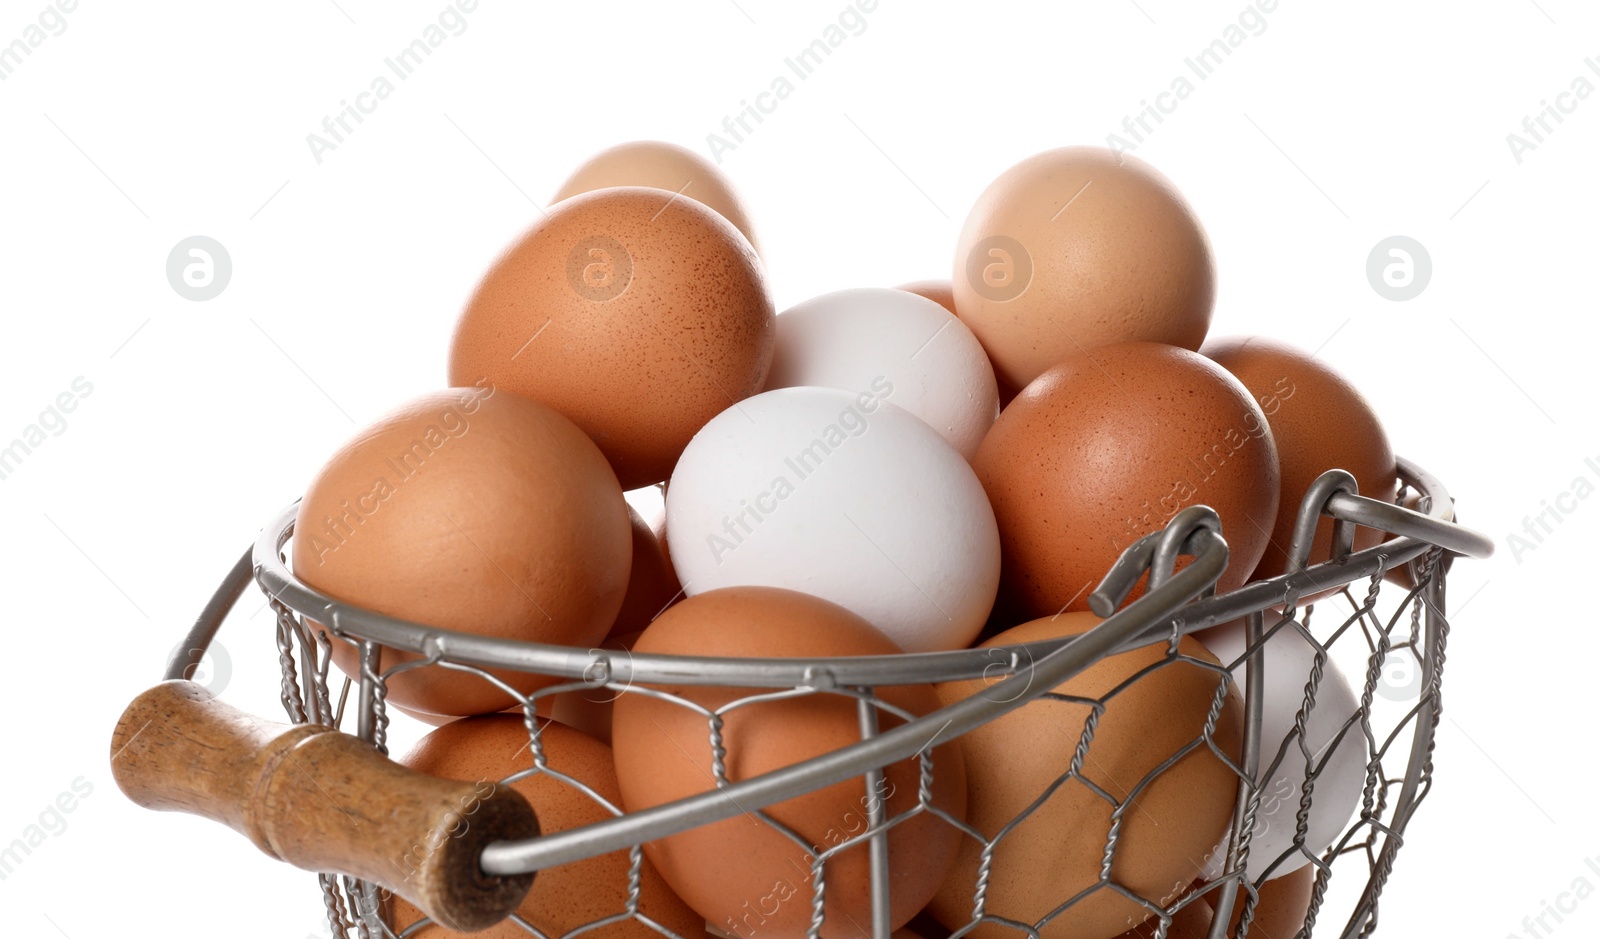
pixel 1376 627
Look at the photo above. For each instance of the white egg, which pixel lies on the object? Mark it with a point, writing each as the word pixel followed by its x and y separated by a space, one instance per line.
pixel 849 338
pixel 1287 661
pixel 844 496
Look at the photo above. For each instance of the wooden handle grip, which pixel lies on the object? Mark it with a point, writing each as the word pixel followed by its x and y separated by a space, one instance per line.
pixel 323 801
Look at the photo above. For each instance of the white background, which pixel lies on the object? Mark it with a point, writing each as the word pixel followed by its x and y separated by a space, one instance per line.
pixel 1337 126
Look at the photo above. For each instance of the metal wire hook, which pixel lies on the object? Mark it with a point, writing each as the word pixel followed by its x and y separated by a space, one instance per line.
pixel 1313 506
pixel 1157 553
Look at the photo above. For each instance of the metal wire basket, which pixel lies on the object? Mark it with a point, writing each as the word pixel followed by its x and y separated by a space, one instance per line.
pixel 1382 608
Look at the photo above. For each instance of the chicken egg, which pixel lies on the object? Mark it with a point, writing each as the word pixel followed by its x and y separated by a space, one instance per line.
pixel 475 510
pixel 494 747
pixel 1107 447
pixel 637 314
pixel 850 338
pixel 844 496
pixel 1333 737
pixel 1080 247
pixel 1057 851
pixel 666 166
pixel 744 875
pixel 1319 422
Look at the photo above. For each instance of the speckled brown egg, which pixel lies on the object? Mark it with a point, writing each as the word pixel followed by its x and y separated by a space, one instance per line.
pixel 1193 921
pixel 475 510
pixel 563 898
pixel 1320 422
pixel 585 709
pixel 1281 906
pixel 1107 447
pixel 637 314
pixel 1080 247
pixel 652 583
pixel 660 165
pixel 742 874
pixel 936 290
pixel 658 525
pixel 1169 827
pixel 1406 574
pixel 589 709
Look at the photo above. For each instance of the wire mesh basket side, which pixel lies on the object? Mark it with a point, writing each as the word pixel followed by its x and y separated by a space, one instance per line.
pixel 1399 773
pixel 1384 627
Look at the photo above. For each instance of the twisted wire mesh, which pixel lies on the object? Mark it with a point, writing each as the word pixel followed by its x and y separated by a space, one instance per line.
pixel 1393 723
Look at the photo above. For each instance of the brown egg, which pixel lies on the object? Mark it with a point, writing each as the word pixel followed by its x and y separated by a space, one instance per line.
pixel 1403 575
pixel 637 314
pixel 936 290
pixel 904 932
pixel 665 166
pixel 572 895
pixel 1008 392
pixel 1107 447
pixel 432 720
pixel 585 709
pixel 474 510
pixel 589 709
pixel 659 526
pixel 1080 247
pixel 1165 834
pixel 924 926
pixel 743 875
pixel 1319 422
pixel 652 584
pixel 1281 906
pixel 1191 922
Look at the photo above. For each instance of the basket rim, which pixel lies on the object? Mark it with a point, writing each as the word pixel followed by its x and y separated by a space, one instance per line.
pixel 1436 529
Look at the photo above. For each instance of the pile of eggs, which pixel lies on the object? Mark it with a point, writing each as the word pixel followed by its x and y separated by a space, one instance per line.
pixel 872 471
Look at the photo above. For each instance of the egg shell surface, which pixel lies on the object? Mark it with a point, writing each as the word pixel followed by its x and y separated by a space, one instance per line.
pixel 1338 754
pixel 494 747
pixel 1107 447
pixel 637 314
pixel 1079 247
pixel 1153 712
pixel 742 874
pixel 844 496
pixel 660 165
pixel 475 510
pixel 849 338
